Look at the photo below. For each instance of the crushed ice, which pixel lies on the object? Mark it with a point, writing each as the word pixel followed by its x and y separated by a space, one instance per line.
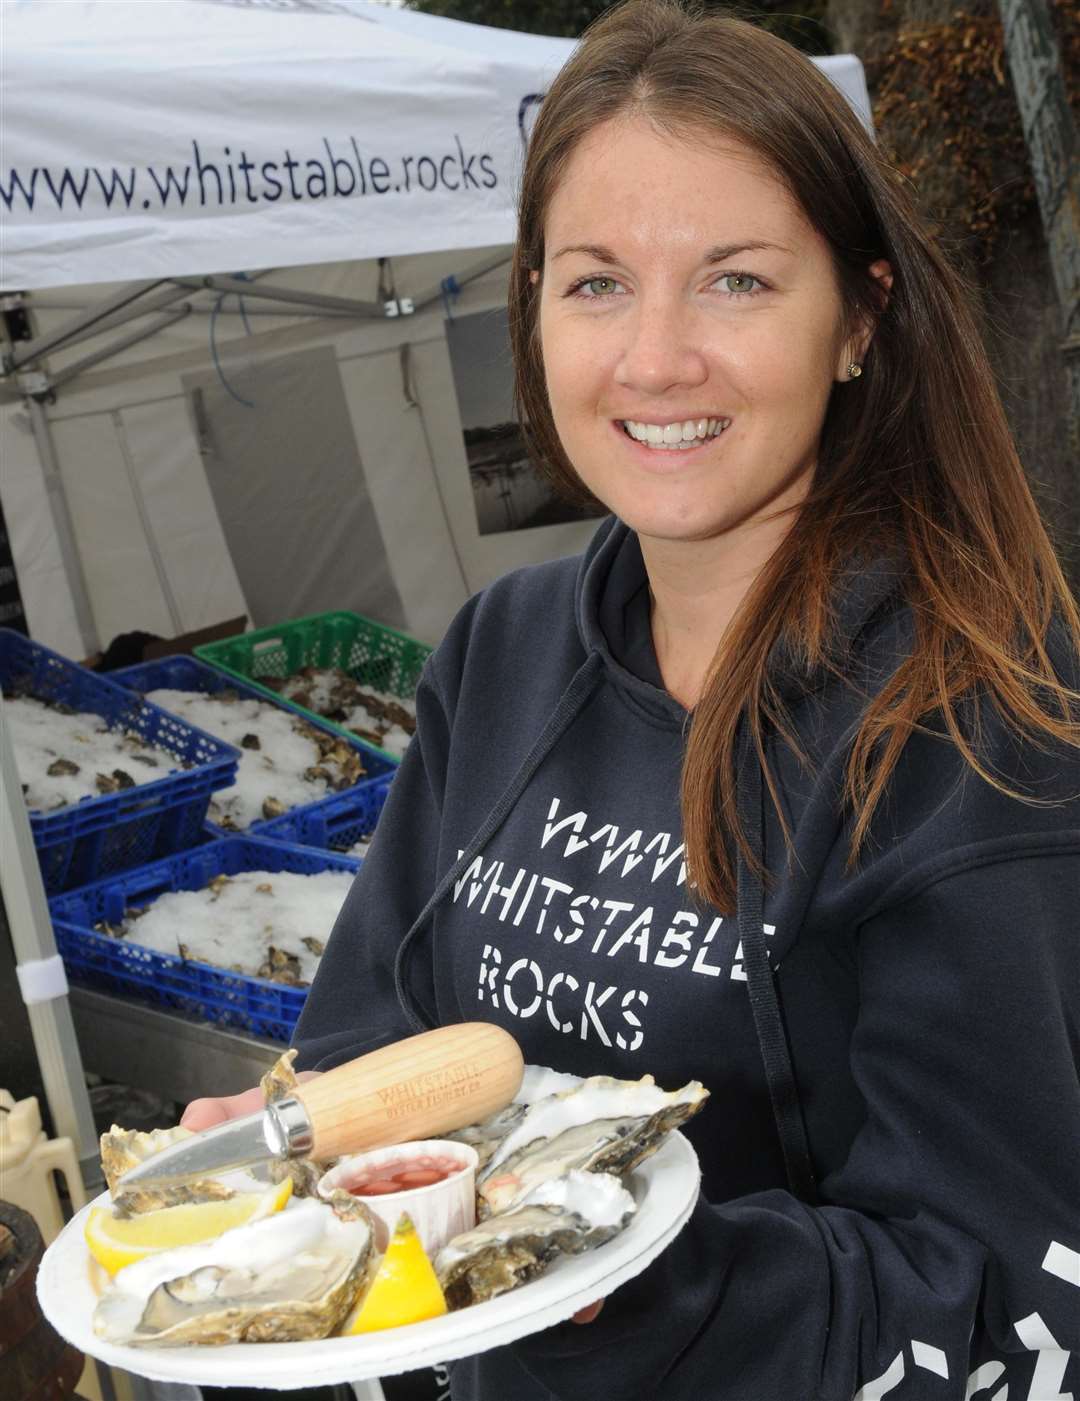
pixel 236 921
pixel 63 757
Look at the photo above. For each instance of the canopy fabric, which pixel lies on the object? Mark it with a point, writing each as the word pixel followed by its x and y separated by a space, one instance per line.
pixel 194 136
pixel 186 137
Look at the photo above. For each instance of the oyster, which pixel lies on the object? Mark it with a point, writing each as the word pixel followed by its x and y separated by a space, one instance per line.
pixel 601 1125
pixel 291 1276
pixel 564 1216
pixel 548 1184
pixel 122 1149
pixel 486 1136
pixel 279 1082
pixel 537 1082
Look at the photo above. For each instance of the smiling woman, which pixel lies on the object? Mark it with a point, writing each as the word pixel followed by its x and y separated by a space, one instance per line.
pixel 777 786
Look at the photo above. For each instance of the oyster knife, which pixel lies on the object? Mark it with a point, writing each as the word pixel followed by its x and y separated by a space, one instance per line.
pixel 422 1087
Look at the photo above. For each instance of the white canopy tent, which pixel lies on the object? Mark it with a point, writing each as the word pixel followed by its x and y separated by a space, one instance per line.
pixel 307 194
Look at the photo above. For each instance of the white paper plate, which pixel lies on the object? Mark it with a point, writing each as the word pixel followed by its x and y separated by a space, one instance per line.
pixel 666 1188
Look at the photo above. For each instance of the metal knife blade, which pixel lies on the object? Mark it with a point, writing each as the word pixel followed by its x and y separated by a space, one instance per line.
pixel 236 1143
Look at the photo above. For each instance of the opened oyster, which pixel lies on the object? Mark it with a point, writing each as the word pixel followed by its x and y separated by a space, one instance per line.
pixel 548 1182
pixel 601 1125
pixel 486 1136
pixel 564 1216
pixel 122 1149
pixel 289 1277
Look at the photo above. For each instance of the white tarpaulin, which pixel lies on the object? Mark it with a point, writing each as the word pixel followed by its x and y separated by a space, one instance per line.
pixel 149 138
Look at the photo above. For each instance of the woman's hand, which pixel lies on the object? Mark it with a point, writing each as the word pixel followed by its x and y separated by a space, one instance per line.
pixel 205 1113
pixel 588 1313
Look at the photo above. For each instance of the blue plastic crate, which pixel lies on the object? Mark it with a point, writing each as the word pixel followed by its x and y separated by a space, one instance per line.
pixel 336 824
pixel 88 840
pixel 199 990
pixel 188 674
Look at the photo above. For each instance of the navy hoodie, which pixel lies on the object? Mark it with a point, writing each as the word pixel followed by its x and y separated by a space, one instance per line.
pixel 528 870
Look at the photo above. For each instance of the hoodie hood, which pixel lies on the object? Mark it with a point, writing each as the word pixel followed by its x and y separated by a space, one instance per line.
pixel 611 608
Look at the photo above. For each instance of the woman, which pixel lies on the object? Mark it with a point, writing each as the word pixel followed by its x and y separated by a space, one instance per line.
pixel 824 638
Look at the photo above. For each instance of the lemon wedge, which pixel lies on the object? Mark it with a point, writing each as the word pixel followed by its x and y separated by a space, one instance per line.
pixel 405 1288
pixel 116 1241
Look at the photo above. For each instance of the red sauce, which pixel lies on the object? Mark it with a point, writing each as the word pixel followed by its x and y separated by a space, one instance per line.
pixel 401 1174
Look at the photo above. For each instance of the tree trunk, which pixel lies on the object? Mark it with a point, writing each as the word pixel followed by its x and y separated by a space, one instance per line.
pixel 984 202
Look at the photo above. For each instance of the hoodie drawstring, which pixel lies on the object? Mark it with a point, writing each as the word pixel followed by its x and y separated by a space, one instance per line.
pixel 571 703
pixel 768 1022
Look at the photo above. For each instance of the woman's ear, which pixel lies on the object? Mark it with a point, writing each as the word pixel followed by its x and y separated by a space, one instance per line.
pixel 856 346
pixel 534 276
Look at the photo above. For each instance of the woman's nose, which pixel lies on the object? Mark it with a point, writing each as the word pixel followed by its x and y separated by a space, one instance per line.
pixel 661 351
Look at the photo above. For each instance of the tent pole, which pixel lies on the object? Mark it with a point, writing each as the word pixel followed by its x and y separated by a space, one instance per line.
pixel 116 319
pixel 434 294
pixel 208 310
pixel 86 323
pixel 243 288
pixel 40 971
pixel 115 347
pixel 69 553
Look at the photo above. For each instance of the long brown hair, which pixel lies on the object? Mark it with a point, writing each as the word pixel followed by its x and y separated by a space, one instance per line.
pixel 916 461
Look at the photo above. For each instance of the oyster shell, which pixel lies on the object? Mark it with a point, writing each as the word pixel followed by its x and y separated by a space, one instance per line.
pixel 278 1083
pixel 280 1080
pixel 564 1216
pixel 122 1149
pixel 537 1082
pixel 486 1136
pixel 291 1276
pixel 601 1125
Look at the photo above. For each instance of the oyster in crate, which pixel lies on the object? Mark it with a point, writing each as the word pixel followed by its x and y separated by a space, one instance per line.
pixel 292 1276
pixel 601 1125
pixel 564 1216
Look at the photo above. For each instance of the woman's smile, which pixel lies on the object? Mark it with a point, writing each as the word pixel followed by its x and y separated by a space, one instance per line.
pixel 671 447
pixel 681 433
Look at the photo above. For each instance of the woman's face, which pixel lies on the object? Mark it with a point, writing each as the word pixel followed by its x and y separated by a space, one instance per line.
pixel 685 298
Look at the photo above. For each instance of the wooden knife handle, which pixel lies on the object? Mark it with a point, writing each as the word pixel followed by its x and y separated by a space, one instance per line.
pixel 421 1087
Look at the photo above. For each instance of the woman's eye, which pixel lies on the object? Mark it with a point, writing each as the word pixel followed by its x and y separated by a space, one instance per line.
pixel 596 287
pixel 739 284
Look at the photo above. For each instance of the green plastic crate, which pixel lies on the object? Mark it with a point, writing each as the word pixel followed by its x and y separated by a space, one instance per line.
pixel 370 652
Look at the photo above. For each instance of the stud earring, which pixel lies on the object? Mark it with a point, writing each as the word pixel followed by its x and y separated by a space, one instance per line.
pixel 854 370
